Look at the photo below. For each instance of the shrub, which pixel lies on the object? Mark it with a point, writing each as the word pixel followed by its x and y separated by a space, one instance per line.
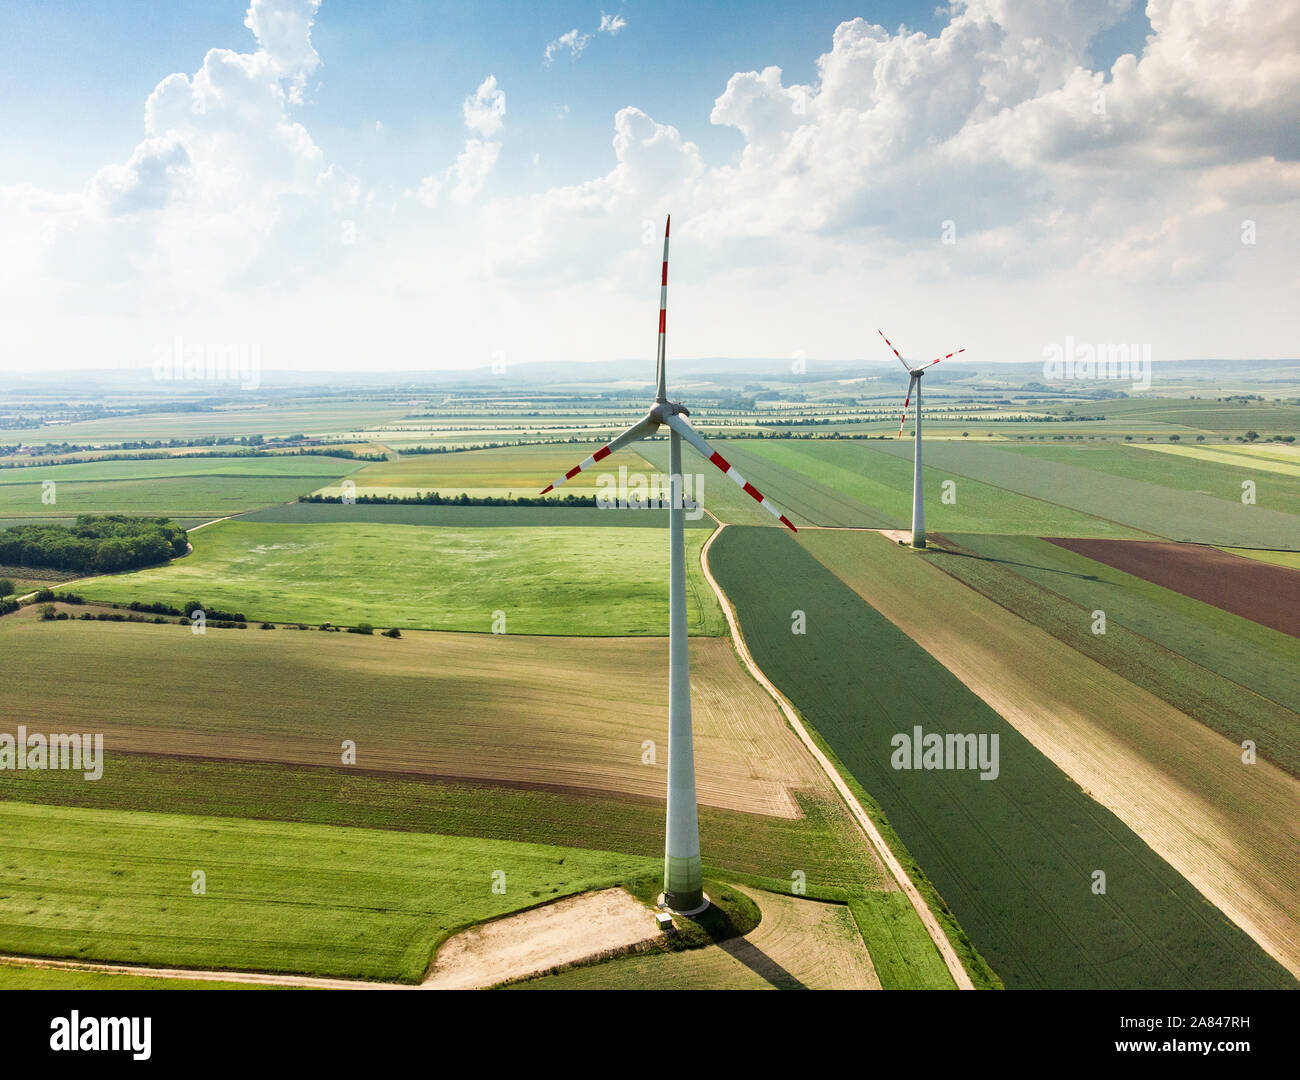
pixel 6 586
pixel 394 632
pixel 361 628
pixel 47 612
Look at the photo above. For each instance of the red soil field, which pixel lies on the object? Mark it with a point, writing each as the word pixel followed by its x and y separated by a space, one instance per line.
pixel 1259 591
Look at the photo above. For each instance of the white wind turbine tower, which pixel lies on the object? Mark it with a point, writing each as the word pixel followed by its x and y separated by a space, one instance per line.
pixel 683 875
pixel 918 501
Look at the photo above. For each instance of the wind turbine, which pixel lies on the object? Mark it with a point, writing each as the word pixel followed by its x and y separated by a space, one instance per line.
pixel 915 373
pixel 683 875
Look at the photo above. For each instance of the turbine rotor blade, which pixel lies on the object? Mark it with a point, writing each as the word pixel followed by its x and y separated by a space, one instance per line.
pixel 640 430
pixel 679 425
pixel 931 364
pixel 903 419
pixel 661 393
pixel 892 349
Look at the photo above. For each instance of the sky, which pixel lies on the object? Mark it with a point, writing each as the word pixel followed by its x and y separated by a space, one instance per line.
pixel 375 186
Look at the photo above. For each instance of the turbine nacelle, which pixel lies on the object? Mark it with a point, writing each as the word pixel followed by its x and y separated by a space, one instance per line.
pixel 662 410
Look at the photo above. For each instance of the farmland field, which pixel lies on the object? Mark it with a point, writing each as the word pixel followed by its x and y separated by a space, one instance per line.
pixel 1168 512
pixel 174 487
pixel 597 581
pixel 1012 857
pixel 494 708
pixel 1232 831
pixel 501 472
pixel 310 513
pixel 885 483
pixel 1255 458
pixel 1268 595
pixel 801 497
pixel 1187 468
pixel 279 897
pixel 314 418
pixel 1171 643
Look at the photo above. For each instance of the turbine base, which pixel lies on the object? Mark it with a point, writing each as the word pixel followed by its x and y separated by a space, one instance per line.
pixel 680 905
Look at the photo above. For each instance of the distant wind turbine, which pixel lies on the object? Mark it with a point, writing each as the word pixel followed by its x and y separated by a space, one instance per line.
pixel 683 875
pixel 918 502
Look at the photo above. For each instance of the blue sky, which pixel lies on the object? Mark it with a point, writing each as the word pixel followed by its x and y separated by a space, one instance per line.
pixel 76 74
pixel 414 183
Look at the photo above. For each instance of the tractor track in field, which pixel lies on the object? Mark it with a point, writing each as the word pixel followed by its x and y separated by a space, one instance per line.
pixel 950 958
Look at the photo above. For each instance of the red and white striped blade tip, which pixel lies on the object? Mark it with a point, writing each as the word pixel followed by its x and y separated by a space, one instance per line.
pixel 750 490
pixel 599 455
pixel 949 356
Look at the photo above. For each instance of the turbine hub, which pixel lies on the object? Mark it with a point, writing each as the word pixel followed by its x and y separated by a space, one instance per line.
pixel 664 409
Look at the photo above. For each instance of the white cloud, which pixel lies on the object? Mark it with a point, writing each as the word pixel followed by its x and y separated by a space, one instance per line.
pixel 572 40
pixel 485 109
pixel 484 112
pixel 611 24
pixel 1120 222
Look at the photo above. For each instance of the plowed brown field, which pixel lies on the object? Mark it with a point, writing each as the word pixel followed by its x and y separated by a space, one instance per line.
pixel 1255 590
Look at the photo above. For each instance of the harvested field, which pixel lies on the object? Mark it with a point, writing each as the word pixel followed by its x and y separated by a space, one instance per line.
pixel 1264 593
pixel 569 713
pixel 540 939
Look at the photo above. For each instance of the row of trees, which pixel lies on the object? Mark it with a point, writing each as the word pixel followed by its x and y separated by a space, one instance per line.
pixel 97 544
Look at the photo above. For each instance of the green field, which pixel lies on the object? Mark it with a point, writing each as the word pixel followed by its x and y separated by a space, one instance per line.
pixel 1153 507
pixel 1232 674
pixel 176 486
pixel 1012 857
pixel 1233 418
pixel 902 952
pixel 1190 469
pixel 306 417
pixel 884 482
pixel 592 581
pixel 802 498
pixel 279 897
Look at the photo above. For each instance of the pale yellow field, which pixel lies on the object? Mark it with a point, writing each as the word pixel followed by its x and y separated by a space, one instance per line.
pixel 1277 558
pixel 502 472
pixel 1239 456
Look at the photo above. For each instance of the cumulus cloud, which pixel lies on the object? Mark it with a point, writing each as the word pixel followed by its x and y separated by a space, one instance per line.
pixel 222 176
pixel 1071 193
pixel 996 123
pixel 484 112
pixel 485 109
